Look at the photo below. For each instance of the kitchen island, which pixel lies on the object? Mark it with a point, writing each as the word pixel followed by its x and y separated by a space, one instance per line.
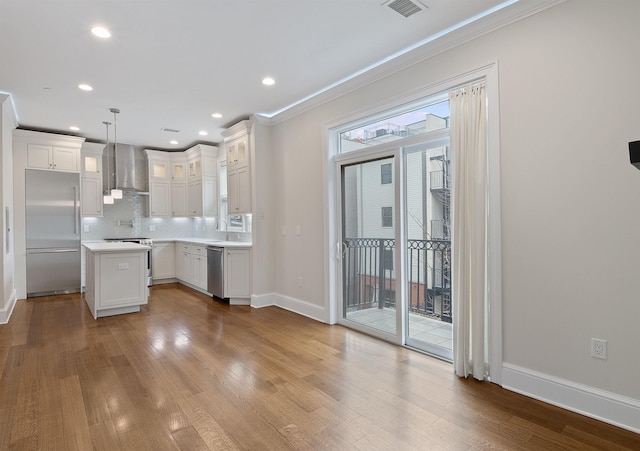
pixel 116 278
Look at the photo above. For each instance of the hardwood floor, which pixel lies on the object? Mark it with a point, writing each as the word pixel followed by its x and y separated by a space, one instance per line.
pixel 192 374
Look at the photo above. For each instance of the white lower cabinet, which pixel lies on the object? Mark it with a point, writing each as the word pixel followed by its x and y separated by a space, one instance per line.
pixel 237 273
pixel 116 280
pixel 163 261
pixel 191 265
pixel 183 262
pixel 199 268
pixel 191 269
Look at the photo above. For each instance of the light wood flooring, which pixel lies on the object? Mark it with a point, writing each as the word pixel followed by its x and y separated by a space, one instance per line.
pixel 193 374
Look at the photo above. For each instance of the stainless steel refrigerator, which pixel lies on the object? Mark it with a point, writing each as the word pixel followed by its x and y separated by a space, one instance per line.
pixel 53 232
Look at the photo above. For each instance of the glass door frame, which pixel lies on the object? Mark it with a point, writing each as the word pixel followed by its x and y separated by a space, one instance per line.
pixel 436 139
pixel 383 151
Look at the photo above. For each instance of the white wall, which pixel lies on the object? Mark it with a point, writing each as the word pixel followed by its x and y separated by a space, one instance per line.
pixel 7 124
pixel 569 104
pixel 264 215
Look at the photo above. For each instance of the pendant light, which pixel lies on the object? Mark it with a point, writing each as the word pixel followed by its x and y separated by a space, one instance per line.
pixel 107 199
pixel 115 192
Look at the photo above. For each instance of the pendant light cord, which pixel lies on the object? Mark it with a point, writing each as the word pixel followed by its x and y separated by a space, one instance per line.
pixel 107 124
pixel 115 111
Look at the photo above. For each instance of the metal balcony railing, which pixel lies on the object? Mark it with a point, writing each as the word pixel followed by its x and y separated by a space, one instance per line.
pixel 370 279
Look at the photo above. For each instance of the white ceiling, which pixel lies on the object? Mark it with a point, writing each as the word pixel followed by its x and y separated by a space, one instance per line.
pixel 172 63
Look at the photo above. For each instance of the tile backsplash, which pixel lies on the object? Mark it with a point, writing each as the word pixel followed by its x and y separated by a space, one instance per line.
pixel 126 218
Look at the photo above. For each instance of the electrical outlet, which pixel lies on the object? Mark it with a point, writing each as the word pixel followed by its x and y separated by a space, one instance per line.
pixel 599 348
pixel 299 281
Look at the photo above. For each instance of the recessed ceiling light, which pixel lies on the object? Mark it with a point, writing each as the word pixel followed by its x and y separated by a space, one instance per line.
pixel 216 115
pixel 173 141
pixel 74 128
pixel 85 87
pixel 101 32
pixel 202 133
pixel 268 81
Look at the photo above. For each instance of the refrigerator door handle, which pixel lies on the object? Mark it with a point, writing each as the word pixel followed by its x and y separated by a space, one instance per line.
pixel 51 251
pixel 76 211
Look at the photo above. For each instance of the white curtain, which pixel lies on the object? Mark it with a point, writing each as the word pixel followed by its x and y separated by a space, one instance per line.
pixel 469 158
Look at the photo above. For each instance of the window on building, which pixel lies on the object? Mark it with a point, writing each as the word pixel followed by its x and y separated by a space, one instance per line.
pixel 385 174
pixel 387 216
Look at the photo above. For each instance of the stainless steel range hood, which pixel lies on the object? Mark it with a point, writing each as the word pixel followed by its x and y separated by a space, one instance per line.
pixel 126 169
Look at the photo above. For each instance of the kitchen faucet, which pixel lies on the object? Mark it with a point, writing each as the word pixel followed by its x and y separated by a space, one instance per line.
pixel 226 228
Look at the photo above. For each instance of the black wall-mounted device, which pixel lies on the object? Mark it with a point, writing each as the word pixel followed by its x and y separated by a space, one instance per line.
pixel 634 153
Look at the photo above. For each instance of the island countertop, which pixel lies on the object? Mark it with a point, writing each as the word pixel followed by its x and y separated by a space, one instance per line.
pixel 96 246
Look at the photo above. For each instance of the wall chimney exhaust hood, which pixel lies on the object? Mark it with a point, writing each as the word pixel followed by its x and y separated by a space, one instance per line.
pixel 129 169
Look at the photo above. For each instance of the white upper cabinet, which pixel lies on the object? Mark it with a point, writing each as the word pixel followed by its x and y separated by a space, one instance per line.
pixel 52 158
pixel 91 174
pixel 159 169
pixel 159 199
pixel 159 184
pixel 91 196
pixel 194 198
pixel 179 200
pixel 237 153
pixel 237 145
pixel 179 170
pixel 180 182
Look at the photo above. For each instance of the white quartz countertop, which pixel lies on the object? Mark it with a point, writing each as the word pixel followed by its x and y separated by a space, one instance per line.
pixel 97 246
pixel 205 242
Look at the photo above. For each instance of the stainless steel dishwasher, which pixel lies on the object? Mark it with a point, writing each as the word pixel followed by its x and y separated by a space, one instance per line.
pixel 215 271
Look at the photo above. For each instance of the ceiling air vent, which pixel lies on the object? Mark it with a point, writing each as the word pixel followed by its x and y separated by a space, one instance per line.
pixel 171 130
pixel 405 7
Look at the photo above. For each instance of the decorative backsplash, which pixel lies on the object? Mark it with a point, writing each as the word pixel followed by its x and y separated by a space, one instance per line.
pixel 132 209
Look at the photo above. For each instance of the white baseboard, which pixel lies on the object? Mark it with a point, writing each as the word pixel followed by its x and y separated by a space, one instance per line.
pixel 592 402
pixel 294 305
pixel 263 300
pixel 5 314
pixel 163 281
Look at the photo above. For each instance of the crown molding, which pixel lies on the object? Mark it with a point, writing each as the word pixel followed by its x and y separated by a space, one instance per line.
pixel 432 46
pixel 4 97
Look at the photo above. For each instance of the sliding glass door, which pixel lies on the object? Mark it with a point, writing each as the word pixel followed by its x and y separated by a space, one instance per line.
pixel 401 293
pixel 368 199
pixel 395 228
pixel 427 190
